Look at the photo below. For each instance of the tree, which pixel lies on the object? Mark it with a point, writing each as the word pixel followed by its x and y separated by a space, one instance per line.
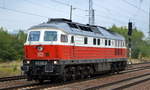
pixel 11 47
pixel 139 46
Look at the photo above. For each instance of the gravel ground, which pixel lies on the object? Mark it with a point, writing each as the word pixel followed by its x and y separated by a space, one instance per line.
pixel 13 83
pixel 91 83
pixel 137 65
pixel 99 81
pixel 141 86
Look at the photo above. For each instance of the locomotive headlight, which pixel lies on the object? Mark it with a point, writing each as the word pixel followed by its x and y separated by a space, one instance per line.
pixel 40 48
pixel 28 62
pixel 55 62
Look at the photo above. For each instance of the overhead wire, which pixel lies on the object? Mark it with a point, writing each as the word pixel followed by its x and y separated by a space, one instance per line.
pixel 138 10
pixel 69 5
pixel 136 13
pixel 108 10
pixel 127 2
pixel 43 6
pixel 107 16
pixel 23 12
pixel 62 3
pixel 65 4
pixel 99 14
pixel 59 2
pixel 113 19
pixel 26 13
pixel 129 17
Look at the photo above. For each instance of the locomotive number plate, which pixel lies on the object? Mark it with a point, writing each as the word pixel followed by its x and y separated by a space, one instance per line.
pixel 40 54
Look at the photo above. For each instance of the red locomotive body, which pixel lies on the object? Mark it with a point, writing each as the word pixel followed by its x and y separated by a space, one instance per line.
pixel 66 50
pixel 62 52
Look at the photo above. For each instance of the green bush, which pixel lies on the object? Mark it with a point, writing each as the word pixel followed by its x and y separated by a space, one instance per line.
pixel 11 46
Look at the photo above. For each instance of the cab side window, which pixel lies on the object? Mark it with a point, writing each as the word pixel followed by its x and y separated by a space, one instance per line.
pixel 64 38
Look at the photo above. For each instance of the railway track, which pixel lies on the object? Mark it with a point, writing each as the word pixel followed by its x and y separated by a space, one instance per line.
pixel 20 86
pixel 94 88
pixel 34 86
pixel 122 84
pixel 12 78
pixel 133 83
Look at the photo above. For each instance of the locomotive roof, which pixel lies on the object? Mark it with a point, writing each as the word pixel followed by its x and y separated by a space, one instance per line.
pixel 81 29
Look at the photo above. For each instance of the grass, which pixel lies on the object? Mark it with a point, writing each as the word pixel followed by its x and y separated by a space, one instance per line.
pixel 10 68
pixel 140 60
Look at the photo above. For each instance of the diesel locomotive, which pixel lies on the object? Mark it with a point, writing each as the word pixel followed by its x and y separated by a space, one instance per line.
pixel 64 50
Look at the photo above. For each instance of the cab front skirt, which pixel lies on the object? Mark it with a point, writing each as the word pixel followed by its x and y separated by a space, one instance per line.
pixel 41 69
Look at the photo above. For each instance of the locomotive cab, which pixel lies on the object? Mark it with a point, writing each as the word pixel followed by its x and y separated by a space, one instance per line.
pixel 41 53
pixel 41 44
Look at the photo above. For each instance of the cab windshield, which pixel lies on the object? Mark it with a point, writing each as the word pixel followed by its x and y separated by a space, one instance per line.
pixel 50 36
pixel 34 36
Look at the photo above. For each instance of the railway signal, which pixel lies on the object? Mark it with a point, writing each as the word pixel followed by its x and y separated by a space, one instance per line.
pixel 129 39
pixel 130 28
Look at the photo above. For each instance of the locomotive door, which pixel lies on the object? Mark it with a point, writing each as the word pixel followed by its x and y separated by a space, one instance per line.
pixel 73 46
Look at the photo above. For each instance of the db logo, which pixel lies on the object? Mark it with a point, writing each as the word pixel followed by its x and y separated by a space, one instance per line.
pixel 40 54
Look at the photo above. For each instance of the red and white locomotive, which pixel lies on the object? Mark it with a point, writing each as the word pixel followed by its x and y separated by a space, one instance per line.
pixel 64 50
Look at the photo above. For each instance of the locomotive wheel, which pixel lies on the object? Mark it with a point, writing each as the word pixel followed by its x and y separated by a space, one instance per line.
pixel 91 71
pixel 118 67
pixel 58 79
pixel 66 76
pixel 53 80
pixel 40 80
pixel 85 72
pixel 113 68
pixel 88 71
pixel 78 72
pixel 73 74
pixel 82 73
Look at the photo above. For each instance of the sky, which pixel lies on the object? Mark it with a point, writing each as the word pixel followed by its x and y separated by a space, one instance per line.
pixel 22 14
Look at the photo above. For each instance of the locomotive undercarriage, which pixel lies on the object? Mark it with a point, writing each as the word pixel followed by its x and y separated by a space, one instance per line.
pixel 80 71
pixel 48 70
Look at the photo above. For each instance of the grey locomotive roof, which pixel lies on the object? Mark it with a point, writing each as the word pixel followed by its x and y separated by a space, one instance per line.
pixel 98 32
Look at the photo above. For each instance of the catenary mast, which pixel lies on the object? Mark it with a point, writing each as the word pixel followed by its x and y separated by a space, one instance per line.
pixel 91 13
pixel 149 24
